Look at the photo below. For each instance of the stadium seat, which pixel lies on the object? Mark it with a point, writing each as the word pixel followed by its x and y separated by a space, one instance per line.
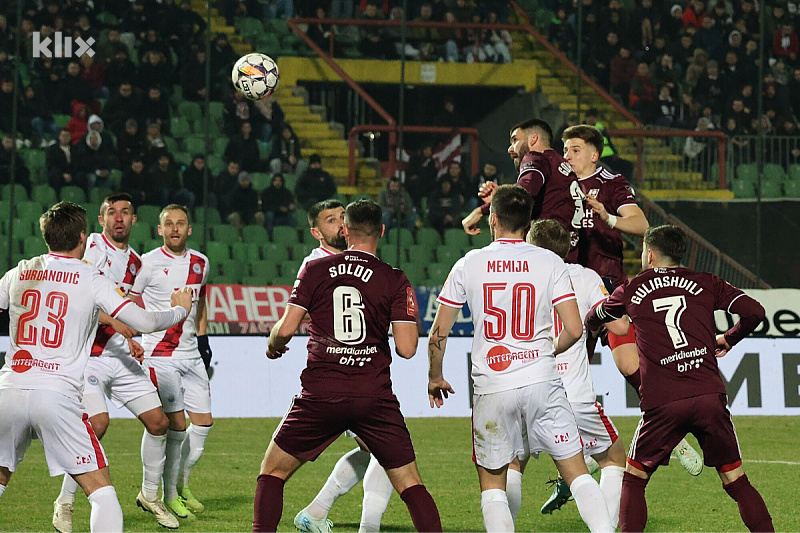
pixel 180 128
pixel 260 180
pixel 36 160
pixel 182 158
pixel 141 232
pixel 301 218
pixel 22 229
pixel 792 188
pixel 771 189
pixel 290 268
pixel 218 252
pixel 149 214
pixel 28 210
pixel 5 210
pixel 774 172
pixel 284 281
pixel 220 144
pixel 224 233
pixel 172 145
pixel 45 195
pixel 33 246
pixel 217 111
pixel 195 144
pixel 302 249
pixel 241 251
pixel 794 172
pixel 390 255
pixel 227 279
pixel 456 237
pixel 98 194
pixel 234 269
pixel 264 270
pixel 191 110
pixel 73 194
pixel 743 188
pixel 437 272
pixel 415 272
pixel 290 180
pixel 208 216
pixel 428 237
pixel 276 252
pixel 419 253
pixel 484 238
pixel 748 172
pixel 448 254
pixel 284 234
pixel 20 194
pixel 405 236
pixel 215 163
pixel 255 234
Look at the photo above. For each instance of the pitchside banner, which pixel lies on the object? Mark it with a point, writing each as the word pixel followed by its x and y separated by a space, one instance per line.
pixel 762 377
pixel 245 310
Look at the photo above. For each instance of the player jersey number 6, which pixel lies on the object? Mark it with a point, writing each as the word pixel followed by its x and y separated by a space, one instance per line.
pixel 349 325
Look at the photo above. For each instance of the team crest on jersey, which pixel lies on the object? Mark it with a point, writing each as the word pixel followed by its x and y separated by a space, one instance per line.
pixel 527 165
pixel 630 190
pixel 132 269
pixel 92 380
pixel 166 272
pixel 93 244
pixel 593 193
pixel 196 268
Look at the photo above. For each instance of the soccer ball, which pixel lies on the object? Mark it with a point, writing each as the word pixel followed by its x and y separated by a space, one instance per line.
pixel 255 76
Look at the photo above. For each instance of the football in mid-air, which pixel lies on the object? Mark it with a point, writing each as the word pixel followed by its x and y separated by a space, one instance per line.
pixel 255 76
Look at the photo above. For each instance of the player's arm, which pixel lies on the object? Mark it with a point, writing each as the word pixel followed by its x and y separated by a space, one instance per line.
pixel 630 220
pixel 438 387
pixel 750 312
pixel 570 316
pixel 406 337
pixel 607 311
pixel 284 329
pixel 151 321
pixel 471 221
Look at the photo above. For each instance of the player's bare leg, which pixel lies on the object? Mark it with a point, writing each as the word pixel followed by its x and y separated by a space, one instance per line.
pixel 752 508
pixel 5 477
pixel 346 473
pixel 588 496
pixel 276 468
pixel 153 451
pixel 176 433
pixel 377 492
pixel 106 512
pixel 494 501
pixel 192 450
pixel 408 483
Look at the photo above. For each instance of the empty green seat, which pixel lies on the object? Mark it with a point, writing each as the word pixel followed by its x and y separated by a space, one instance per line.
pixel 191 110
pixel 208 216
pixel 743 188
pixel 73 194
pixel 28 210
pixel 22 228
pixel 36 160
pixel 419 253
pixel 180 128
pixel 218 252
pixel 149 214
pixel 225 233
pixel 45 195
pixel 390 255
pixel 98 194
pixel 276 252
pixel 792 188
pixel 234 269
pixel 290 268
pixel 33 246
pixel 405 236
pixel 448 254
pixel 255 234
pixel 284 281
pixel 456 237
pixel 794 172
pixel 260 180
pixel 141 231
pixel 20 194
pixel 415 272
pixel 484 238
pixel 747 171
pixel 195 144
pixel 284 234
pixel 302 249
pixel 245 252
pixel 265 270
pixel 771 189
pixel 438 272
pixel 428 237
pixel 217 111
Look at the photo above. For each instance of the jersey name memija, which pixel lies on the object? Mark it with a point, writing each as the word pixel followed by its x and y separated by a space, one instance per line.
pixel 573 364
pixel 121 267
pixel 53 302
pixel 162 273
pixel 511 287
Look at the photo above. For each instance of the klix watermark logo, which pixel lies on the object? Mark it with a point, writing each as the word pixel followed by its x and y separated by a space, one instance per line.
pixel 62 47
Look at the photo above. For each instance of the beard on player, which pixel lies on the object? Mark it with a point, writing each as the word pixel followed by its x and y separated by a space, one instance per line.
pixel 517 157
pixel 336 241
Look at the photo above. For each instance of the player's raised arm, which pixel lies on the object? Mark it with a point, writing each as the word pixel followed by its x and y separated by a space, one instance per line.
pixel 631 219
pixel 438 387
pixel 150 321
pixel 607 311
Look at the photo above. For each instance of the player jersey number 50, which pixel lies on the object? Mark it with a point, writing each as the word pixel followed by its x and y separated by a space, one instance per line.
pixel 523 297
pixel 56 306
pixel 349 325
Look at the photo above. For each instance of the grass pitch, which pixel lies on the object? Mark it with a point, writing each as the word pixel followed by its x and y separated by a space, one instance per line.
pixel 224 480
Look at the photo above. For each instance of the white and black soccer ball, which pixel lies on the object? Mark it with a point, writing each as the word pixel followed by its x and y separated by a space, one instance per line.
pixel 255 75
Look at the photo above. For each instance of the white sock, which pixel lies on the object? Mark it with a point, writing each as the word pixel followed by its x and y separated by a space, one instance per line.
pixel 611 485
pixel 2 490
pixel 193 446
pixel 106 513
pixel 154 455
pixel 68 489
pixel 514 492
pixel 172 463
pixel 348 471
pixel 591 504
pixel 496 514
pixel 377 492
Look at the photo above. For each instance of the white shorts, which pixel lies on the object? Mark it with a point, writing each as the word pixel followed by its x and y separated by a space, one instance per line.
pixel 122 380
pixel 520 422
pixel 61 423
pixel 181 383
pixel 597 430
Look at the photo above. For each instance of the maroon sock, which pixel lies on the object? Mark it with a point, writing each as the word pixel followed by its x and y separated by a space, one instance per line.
pixel 635 380
pixel 632 506
pixel 268 504
pixel 424 512
pixel 751 505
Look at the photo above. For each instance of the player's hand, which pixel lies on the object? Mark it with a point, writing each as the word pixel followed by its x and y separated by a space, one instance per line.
pixel 182 297
pixel 598 208
pixel 122 328
pixel 438 392
pixel 137 352
pixel 272 353
pixel 471 221
pixel 722 346
pixel 487 191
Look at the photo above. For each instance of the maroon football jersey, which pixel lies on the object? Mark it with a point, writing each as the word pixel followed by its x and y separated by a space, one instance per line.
pixel 673 311
pixel 351 298
pixel 601 245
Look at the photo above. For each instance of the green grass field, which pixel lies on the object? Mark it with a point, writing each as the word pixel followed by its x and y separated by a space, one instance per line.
pixel 224 481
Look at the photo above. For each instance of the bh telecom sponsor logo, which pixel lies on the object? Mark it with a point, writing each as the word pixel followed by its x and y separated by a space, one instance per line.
pixel 499 358
pixel 63 46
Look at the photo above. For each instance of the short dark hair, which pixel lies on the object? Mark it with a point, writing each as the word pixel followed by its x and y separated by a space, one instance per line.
pixel 536 123
pixel 589 134
pixel 551 235
pixel 62 226
pixel 319 207
pixel 364 218
pixel 512 206
pixel 175 207
pixel 668 241
pixel 116 197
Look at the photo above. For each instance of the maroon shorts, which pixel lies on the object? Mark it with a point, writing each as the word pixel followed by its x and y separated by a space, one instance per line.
pixel 662 428
pixel 314 422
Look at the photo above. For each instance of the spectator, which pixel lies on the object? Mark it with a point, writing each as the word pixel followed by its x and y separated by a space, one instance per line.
pixel 645 38
pixel 165 175
pixel 710 39
pixel 786 45
pixel 74 88
pixel 421 175
pixel 561 32
pixel 671 26
pixel 460 185
pixel 320 33
pixel 622 70
pixel 697 151
pixel 277 203
pixel 93 164
pixel 397 206
pixel 107 143
pixel 444 207
pixel 735 42
pixel 732 76
pixel 137 182
pixel 602 54
pixel 774 18
pixel 687 113
pixel 223 56
pixel 788 140
pixel 241 204
pixel 7 35
pixel 314 184
pixel 182 27
pixel 683 53
pixel 794 92
pixel 500 40
pixel 78 125
pixel 155 108
pixel 238 109
pixel 107 48
pixel 226 181
pixel 373 43
pixel 393 36
pixel 154 71
pixel 21 172
pixel 120 70
pixel 193 84
pixel 47 79
pixel 709 89
pixel 451 40
pixel 95 75
pixel 642 94
pixel 153 43
pixel 194 181
pixel 286 155
pixel 120 108
pixel 694 14
pixel 135 23
pixel 244 149
pixel 489 173
pixel 268 117
pixel 650 55
pixel 666 108
pixel 748 18
pixel 154 144
pixel 425 37
pixel 61 169
pixel 6 103
pixel 773 105
pixel 34 117
pixel 342 9
pixel 130 144
pixel 742 115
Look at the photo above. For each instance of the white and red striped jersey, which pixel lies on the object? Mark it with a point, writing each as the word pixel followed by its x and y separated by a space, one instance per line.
pixel 121 267
pixel 53 302
pixel 316 253
pixel 511 287
pixel 163 272
pixel 573 364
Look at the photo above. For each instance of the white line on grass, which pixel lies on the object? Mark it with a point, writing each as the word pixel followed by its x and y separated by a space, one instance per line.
pixel 792 463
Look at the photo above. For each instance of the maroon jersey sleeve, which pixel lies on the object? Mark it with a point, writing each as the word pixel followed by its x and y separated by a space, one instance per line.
pixel 607 311
pixel 404 304
pixel 735 301
pixel 532 172
pixel 620 194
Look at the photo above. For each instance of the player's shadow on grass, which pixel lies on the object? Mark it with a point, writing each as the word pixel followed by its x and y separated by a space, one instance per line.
pixel 353 526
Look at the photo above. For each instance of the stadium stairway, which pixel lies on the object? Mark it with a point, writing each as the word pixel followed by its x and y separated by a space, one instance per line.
pixel 316 136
